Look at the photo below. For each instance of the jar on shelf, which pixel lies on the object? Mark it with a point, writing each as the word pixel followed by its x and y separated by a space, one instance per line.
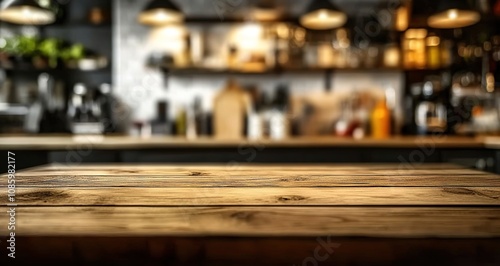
pixel 414 48
pixel 392 55
pixel 433 52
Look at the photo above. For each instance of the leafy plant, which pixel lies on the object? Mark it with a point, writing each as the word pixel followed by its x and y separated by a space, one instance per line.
pixel 21 46
pixel 73 52
pixel 50 48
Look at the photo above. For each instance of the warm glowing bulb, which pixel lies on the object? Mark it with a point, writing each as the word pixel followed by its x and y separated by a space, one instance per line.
pixel 26 11
pixel 323 14
pixel 453 14
pixel 161 16
pixel 251 30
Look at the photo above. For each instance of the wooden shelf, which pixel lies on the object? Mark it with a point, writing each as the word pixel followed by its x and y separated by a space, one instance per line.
pixel 52 70
pixel 208 71
pixel 75 25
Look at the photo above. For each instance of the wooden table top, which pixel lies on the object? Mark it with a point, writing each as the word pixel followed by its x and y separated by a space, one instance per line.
pixel 372 200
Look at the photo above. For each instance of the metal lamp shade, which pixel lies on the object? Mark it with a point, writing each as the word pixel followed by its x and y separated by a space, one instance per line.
pixel 323 15
pixel 161 12
pixel 267 10
pixel 453 14
pixel 27 12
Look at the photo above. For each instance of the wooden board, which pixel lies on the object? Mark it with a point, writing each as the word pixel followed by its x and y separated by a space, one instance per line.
pixel 256 170
pixel 291 180
pixel 258 221
pixel 251 196
pixel 349 200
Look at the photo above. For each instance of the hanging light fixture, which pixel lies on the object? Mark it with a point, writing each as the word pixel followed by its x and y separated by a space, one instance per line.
pixel 267 10
pixel 323 15
pixel 453 14
pixel 161 12
pixel 26 12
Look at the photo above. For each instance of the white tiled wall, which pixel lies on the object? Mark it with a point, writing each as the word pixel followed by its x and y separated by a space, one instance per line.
pixel 141 87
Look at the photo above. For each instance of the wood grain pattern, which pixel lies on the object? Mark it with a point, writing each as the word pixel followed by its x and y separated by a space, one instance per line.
pixel 284 180
pixel 255 170
pixel 249 196
pixel 258 221
pixel 375 200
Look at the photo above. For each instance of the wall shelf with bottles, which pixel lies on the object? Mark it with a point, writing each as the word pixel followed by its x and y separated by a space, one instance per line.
pixel 209 71
pixel 54 70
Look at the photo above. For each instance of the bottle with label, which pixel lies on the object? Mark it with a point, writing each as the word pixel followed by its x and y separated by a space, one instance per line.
pixel 278 120
pixel 381 120
pixel 202 118
pixel 181 122
pixel 191 131
pixel 161 126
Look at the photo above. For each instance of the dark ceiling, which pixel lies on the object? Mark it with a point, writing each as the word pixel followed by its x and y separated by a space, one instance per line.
pixel 293 8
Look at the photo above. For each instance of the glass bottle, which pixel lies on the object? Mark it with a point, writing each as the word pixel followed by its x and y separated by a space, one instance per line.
pixel 381 120
pixel 433 52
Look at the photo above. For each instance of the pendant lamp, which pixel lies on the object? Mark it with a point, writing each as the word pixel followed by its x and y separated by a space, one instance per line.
pixel 161 12
pixel 323 15
pixel 453 14
pixel 25 12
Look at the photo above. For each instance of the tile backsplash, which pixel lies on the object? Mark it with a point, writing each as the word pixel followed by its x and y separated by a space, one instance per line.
pixel 141 87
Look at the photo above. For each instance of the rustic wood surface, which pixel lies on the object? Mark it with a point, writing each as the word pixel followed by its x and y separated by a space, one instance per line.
pixel 372 200
pixel 252 196
pixel 259 221
pixel 64 142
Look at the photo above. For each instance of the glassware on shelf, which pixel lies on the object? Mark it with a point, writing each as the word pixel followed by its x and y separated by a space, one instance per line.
pixel 392 55
pixel 342 45
pixel 371 57
pixel 446 53
pixel 319 55
pixel 414 48
pixel 354 58
pixel 433 52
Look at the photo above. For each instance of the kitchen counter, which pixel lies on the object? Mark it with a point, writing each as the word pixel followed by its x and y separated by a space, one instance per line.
pixel 43 142
pixel 215 213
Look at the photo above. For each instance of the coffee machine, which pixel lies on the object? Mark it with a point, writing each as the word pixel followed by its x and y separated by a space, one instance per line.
pixel 427 108
pixel 475 105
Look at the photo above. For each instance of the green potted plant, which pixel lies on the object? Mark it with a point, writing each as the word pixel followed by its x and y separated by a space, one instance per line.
pixel 21 49
pixel 50 49
pixel 71 54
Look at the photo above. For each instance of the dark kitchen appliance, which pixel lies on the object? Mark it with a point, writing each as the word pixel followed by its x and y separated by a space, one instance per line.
pixel 475 108
pixel 430 113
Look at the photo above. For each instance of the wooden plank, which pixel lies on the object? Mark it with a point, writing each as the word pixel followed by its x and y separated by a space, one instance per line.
pixel 292 180
pixel 248 166
pixel 251 196
pixel 257 221
pixel 253 167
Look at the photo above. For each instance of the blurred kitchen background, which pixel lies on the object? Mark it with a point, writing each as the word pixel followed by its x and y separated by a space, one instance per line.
pixel 270 70
pixel 371 68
